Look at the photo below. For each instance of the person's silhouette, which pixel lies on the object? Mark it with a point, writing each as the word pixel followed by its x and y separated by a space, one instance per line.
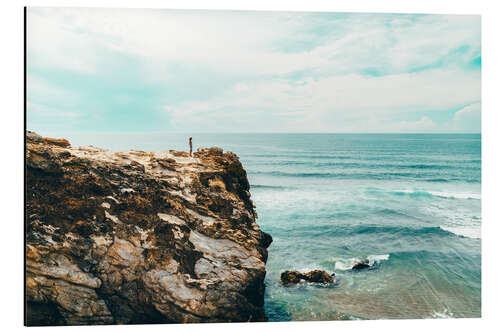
pixel 190 147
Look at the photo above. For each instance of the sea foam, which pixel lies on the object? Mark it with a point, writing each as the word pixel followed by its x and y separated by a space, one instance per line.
pixel 464 231
pixel 347 264
pixel 448 195
pixel 457 195
pixel 445 314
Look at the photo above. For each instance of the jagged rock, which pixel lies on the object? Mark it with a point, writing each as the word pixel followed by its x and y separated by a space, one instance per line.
pixel 291 277
pixel 318 276
pixel 57 142
pixel 33 137
pixel 212 151
pixel 361 265
pixel 140 237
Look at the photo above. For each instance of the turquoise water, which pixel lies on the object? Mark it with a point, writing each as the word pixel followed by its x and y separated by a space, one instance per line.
pixel 411 204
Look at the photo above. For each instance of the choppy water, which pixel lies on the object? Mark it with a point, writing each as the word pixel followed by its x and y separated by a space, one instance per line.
pixel 411 204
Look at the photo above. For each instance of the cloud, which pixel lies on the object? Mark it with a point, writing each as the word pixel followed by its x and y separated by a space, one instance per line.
pixel 422 125
pixel 249 43
pixel 337 103
pixel 468 119
pixel 253 71
pixel 41 110
pixel 41 90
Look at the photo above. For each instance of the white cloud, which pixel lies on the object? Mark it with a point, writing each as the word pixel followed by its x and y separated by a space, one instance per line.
pixel 422 125
pixel 51 44
pixel 71 38
pixel 468 118
pixel 40 89
pixel 336 103
pixel 41 111
pixel 257 49
pixel 244 42
pixel 40 108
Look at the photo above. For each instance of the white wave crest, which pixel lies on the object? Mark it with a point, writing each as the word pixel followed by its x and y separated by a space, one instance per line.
pixel 456 195
pixel 347 264
pixel 377 258
pixel 465 231
pixel 344 265
pixel 449 195
pixel 443 314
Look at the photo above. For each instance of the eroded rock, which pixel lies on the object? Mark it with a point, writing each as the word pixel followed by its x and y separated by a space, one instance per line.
pixel 361 265
pixel 57 142
pixel 140 237
pixel 317 276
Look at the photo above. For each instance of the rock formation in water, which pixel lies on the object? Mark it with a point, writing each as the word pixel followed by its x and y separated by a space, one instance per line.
pixel 139 237
pixel 361 264
pixel 318 276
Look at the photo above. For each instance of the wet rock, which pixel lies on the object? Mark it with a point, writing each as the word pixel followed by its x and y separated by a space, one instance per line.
pixel 140 237
pixel 318 276
pixel 361 265
pixel 291 277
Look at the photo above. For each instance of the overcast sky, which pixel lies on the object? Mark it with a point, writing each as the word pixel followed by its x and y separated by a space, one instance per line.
pixel 133 70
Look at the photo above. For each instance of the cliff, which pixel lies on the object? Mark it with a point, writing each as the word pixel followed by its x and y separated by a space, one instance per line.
pixel 139 237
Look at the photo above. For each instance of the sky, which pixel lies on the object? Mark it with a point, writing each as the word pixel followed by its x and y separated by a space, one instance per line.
pixel 155 70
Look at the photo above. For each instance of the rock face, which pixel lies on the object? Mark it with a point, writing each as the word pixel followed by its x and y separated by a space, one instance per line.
pixel 318 276
pixel 139 237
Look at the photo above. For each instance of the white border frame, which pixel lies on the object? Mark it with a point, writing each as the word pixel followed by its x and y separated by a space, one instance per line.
pixel 11 89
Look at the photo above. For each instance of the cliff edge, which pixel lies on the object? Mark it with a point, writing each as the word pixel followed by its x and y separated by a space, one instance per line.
pixel 139 237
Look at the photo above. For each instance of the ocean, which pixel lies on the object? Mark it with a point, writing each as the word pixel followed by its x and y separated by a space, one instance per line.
pixel 408 203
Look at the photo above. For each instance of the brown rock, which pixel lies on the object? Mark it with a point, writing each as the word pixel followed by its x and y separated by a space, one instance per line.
pixel 138 237
pixel 179 153
pixel 361 265
pixel 57 142
pixel 318 276
pixel 291 277
pixel 33 137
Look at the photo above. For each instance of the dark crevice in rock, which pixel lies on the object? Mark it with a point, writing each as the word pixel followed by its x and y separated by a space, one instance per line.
pixel 43 314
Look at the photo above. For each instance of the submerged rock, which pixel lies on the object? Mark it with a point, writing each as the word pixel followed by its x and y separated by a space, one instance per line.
pixel 140 237
pixel 318 276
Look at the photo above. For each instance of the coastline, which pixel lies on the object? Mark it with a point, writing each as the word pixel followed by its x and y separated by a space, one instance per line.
pixel 399 221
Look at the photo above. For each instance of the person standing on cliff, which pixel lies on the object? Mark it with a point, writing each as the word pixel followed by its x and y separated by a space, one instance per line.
pixel 190 147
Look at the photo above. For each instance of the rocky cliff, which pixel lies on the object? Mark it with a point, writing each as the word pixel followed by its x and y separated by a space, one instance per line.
pixel 139 237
